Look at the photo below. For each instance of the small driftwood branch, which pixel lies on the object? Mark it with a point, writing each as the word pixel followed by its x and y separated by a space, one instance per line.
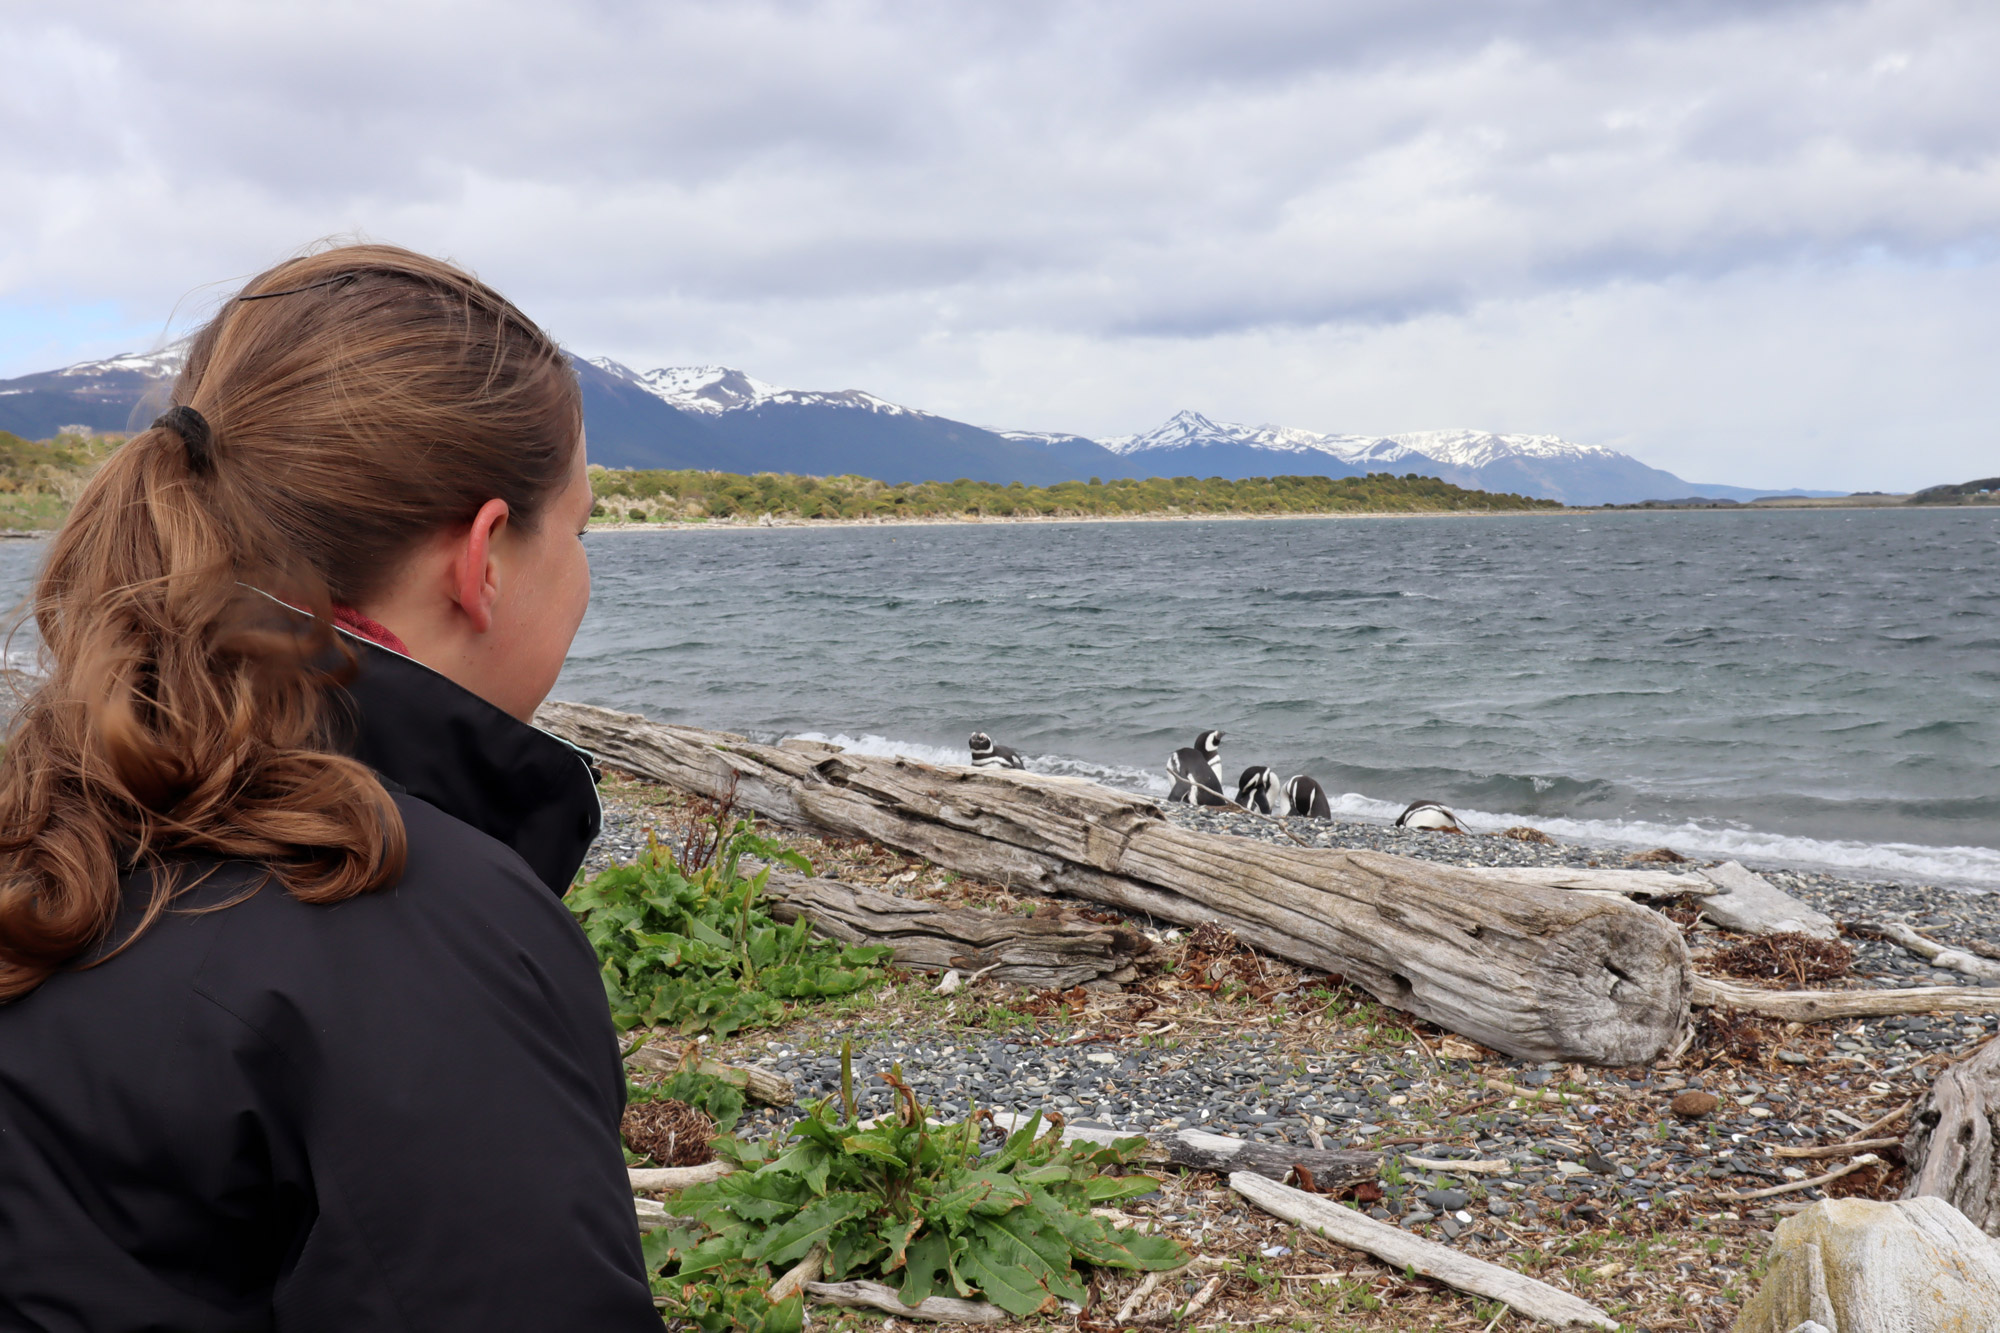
pixel 1866 1159
pixel 794 1281
pixel 1535 1094
pixel 1886 1120
pixel 1197 1150
pixel 1147 1286
pixel 1835 1149
pixel 655 1179
pixel 1043 951
pixel 1938 955
pixel 1819 1006
pixel 1204 1296
pixel 759 1085
pixel 1537 974
pixel 652 1214
pixel 1400 1249
pixel 1496 1167
pixel 875 1296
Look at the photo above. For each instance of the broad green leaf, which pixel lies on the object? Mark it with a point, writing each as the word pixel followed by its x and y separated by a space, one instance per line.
pixel 788 1242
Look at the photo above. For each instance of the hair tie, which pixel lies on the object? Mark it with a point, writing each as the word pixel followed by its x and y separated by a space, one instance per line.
pixel 192 427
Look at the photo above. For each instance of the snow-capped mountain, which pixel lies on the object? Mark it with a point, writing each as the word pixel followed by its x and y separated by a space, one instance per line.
pixel 1547 466
pixel 720 418
pixel 713 390
pixel 717 417
pixel 107 395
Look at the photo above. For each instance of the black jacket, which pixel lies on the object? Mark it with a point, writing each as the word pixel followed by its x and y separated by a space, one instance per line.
pixel 399 1112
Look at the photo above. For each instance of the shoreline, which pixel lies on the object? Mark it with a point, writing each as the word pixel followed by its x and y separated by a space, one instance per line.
pixel 968 520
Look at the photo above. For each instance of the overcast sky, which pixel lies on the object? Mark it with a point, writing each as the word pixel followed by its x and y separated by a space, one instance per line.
pixel 1750 243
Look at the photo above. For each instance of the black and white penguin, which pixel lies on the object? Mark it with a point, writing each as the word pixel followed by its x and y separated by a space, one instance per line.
pixel 1303 796
pixel 1428 815
pixel 1253 789
pixel 1197 771
pixel 985 754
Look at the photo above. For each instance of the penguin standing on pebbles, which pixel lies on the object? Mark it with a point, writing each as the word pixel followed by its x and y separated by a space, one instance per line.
pixel 1428 815
pixel 1303 796
pixel 985 754
pixel 1197 771
pixel 1253 789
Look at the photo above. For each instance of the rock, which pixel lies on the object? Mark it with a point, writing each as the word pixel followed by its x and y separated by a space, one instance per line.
pixel 1447 1201
pixel 1694 1104
pixel 1859 1266
pixel 1748 903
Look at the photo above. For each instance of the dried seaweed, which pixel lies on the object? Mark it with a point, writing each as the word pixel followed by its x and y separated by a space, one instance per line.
pixel 671 1133
pixel 1785 956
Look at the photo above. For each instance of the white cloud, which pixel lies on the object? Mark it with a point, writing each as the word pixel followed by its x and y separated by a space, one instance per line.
pixel 1748 242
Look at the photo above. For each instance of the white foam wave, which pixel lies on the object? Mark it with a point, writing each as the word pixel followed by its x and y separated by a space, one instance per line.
pixel 1111 775
pixel 1977 867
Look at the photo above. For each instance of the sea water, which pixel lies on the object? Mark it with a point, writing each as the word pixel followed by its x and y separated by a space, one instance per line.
pixel 1814 687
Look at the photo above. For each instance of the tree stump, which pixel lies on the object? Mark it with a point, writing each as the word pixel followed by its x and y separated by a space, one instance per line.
pixel 1953 1132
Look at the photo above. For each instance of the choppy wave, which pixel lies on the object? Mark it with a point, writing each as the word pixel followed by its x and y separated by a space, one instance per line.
pixel 1973 867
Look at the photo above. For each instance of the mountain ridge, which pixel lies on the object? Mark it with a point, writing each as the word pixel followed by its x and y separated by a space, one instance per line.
pixel 717 417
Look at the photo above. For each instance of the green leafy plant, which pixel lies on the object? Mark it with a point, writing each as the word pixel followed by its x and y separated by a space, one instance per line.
pixel 909 1201
pixel 684 941
pixel 718 1099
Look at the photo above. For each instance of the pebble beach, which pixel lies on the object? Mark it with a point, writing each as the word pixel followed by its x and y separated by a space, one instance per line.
pixel 1552 1151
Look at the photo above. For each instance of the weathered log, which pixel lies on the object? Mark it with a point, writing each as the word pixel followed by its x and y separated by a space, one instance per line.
pixel 1037 951
pixel 875 1296
pixel 1751 904
pixel 759 1085
pixel 1629 883
pixel 1401 1250
pixel 1818 1006
pixel 1538 974
pixel 1953 1147
pixel 1196 1150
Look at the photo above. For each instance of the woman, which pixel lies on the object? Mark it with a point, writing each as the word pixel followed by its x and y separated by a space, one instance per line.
pixel 295 1032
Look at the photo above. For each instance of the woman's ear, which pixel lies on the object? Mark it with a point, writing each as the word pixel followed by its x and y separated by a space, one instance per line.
pixel 476 574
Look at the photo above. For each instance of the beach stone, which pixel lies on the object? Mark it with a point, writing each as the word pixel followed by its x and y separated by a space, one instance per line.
pixel 1861 1266
pixel 1694 1104
pixel 1447 1201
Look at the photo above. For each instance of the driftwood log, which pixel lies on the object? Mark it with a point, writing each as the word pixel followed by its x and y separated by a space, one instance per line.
pixel 1539 974
pixel 1401 1250
pixel 759 1085
pixel 1937 955
pixel 1953 1147
pixel 1752 905
pixel 1194 1150
pixel 1035 951
pixel 1819 1006
pixel 875 1296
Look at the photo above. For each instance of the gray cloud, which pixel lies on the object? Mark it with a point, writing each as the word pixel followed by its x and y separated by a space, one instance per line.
pixel 1128 201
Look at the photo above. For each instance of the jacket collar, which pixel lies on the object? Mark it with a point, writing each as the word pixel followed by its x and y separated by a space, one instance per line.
pixel 443 744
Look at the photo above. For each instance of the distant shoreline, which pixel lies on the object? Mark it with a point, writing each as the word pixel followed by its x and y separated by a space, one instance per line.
pixel 995 520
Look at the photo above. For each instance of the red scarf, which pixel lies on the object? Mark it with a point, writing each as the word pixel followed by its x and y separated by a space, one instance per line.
pixel 372 630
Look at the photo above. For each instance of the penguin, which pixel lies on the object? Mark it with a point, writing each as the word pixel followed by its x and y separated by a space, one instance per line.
pixel 985 754
pixel 1428 815
pixel 1197 771
pixel 1253 789
pixel 1303 796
